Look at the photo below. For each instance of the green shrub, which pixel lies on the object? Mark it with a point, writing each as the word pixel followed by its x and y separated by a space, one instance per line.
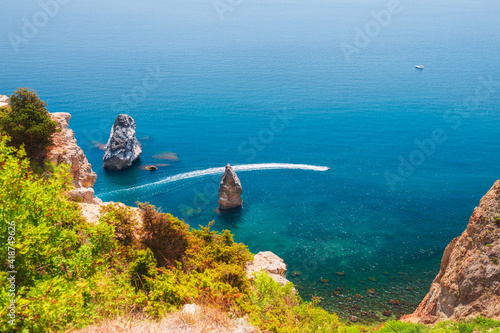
pixel 164 235
pixel 478 324
pixel 122 219
pixel 401 327
pixel 61 261
pixel 28 123
pixel 144 266
pixel 278 308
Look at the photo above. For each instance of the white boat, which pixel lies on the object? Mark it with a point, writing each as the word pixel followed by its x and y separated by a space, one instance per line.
pixel 419 67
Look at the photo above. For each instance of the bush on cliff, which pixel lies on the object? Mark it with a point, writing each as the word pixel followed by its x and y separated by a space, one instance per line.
pixel 28 123
pixel 64 266
pixel 278 308
pixel 478 324
pixel 166 236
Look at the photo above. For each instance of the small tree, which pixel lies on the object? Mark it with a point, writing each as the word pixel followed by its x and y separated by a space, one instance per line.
pixel 29 123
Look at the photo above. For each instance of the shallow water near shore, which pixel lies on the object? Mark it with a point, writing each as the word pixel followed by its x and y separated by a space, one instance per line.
pixel 269 84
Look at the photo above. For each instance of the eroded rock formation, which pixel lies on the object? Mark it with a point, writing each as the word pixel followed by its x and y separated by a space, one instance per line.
pixel 230 190
pixel 66 150
pixel 468 284
pixel 270 263
pixel 122 148
pixel 4 101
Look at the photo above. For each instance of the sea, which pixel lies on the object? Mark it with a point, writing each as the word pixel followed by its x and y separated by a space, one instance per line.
pixel 357 168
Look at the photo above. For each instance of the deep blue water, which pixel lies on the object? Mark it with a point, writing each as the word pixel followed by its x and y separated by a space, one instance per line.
pixel 214 95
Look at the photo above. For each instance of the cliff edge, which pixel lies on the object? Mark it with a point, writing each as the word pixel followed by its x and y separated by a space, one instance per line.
pixel 468 284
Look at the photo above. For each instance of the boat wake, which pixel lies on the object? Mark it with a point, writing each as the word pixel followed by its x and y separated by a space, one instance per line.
pixel 214 171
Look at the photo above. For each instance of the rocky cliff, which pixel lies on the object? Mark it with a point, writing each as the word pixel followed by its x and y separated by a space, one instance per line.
pixel 122 148
pixel 230 190
pixel 66 150
pixel 468 283
pixel 270 263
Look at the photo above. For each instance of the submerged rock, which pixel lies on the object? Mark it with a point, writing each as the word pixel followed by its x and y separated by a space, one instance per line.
pixel 122 148
pixel 468 284
pixel 230 190
pixel 167 155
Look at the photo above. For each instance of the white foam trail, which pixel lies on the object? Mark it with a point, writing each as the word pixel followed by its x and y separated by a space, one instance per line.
pixel 214 171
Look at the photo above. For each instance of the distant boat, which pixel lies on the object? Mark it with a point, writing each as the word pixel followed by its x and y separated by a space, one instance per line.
pixel 419 67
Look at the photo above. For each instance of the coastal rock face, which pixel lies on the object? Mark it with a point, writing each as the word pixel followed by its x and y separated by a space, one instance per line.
pixel 270 263
pixel 65 150
pixel 468 284
pixel 123 148
pixel 230 190
pixel 4 101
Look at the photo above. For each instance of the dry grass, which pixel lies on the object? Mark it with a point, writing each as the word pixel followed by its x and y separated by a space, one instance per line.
pixel 192 319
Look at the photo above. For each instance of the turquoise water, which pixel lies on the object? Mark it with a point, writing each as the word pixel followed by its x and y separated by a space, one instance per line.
pixel 270 84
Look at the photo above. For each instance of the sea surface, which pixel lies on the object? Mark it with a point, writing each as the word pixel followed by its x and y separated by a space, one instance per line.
pixel 282 89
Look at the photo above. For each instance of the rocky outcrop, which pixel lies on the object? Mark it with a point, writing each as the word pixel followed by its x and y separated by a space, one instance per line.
pixel 66 150
pixel 230 190
pixel 4 101
pixel 269 263
pixel 123 148
pixel 468 284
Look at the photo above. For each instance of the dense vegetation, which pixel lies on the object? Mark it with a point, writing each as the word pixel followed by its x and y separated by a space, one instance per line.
pixel 27 122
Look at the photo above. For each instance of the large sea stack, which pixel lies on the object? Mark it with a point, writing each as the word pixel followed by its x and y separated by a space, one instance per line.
pixel 468 284
pixel 230 190
pixel 123 148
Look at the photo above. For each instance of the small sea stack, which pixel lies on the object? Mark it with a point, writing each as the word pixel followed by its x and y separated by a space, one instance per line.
pixel 230 190
pixel 122 148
